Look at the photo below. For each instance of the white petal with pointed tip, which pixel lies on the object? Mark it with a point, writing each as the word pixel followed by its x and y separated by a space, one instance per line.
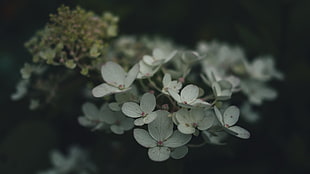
pixel 132 75
pixel 139 122
pixel 218 115
pixel 144 138
pixel 240 132
pixel 159 153
pixel 177 139
pixel 174 95
pixel 131 109
pixel 105 89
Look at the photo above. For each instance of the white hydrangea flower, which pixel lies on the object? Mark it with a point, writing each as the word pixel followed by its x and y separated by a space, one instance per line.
pixel 160 138
pixel 248 114
pixel 143 112
pixel 146 71
pixel 190 121
pixel 215 137
pixel 77 161
pixel 229 119
pixel 188 97
pixel 92 116
pixel 117 121
pixel 121 98
pixel 168 83
pixel 21 90
pixel 263 68
pixel 257 91
pixel 117 80
pixel 222 90
pixel 158 58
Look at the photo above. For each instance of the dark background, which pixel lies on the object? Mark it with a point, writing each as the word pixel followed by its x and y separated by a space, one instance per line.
pixel 279 142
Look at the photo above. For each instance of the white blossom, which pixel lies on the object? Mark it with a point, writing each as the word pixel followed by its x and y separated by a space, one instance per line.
pixel 161 139
pixel 168 83
pixel 77 161
pixel 143 112
pixel 190 121
pixel 158 58
pixel 117 80
pixel 228 120
pixel 188 97
pixel 93 116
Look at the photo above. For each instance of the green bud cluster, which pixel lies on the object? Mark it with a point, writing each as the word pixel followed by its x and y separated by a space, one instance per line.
pixel 75 38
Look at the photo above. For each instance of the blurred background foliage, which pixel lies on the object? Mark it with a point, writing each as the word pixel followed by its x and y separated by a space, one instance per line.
pixel 280 141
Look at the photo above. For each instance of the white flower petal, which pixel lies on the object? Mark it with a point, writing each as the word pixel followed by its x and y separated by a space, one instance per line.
pixel 131 109
pixel 90 110
pixel 113 74
pixel 149 60
pixel 139 122
pixel 182 116
pixel 189 93
pixel 132 75
pixel 105 89
pixel 197 114
pixel 219 115
pixel 114 106
pixel 240 132
pixel 206 122
pixel 158 53
pixel 186 128
pixel 85 122
pixel 179 152
pixel 148 102
pixel 150 117
pixel 174 95
pixel 177 139
pixel 117 129
pixel 127 123
pixel 144 138
pixel 166 80
pixel 159 153
pixel 162 127
pixel 231 115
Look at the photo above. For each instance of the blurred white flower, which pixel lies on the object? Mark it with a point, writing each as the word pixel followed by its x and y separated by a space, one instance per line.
pixel 77 162
pixel 93 117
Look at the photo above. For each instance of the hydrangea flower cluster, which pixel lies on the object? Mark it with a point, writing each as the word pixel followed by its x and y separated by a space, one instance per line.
pixel 179 96
pixel 77 161
pixel 168 95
